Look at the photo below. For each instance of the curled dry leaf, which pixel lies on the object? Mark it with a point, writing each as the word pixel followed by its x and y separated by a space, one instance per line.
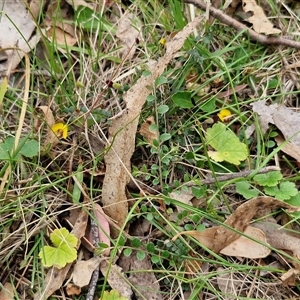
pixel 16 21
pixel 60 31
pixel 145 282
pixel 289 278
pixel 183 196
pixel 289 148
pixel 261 23
pixel 61 37
pixel 244 247
pixel 147 133
pixel 51 139
pixel 123 128
pixel 83 271
pixel 219 237
pixel 243 215
pixel 103 228
pixel 285 119
pixel 116 279
pixel 76 3
pixel 73 289
pixel 7 292
pixel 279 237
pixel 127 33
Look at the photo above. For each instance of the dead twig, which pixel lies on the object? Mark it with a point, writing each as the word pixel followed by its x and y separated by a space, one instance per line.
pixel 95 275
pixel 263 39
pixel 241 174
pixel 157 189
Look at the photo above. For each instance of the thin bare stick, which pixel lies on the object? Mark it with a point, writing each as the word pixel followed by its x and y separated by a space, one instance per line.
pixel 230 176
pixel 157 189
pixel 95 275
pixel 263 39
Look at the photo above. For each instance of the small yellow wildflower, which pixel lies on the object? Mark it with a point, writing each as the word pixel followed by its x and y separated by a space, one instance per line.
pixel 60 129
pixel 224 114
pixel 163 41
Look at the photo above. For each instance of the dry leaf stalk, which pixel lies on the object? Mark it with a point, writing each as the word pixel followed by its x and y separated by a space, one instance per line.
pixel 123 130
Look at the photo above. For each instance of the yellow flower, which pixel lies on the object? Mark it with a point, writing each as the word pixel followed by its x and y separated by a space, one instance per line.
pixel 163 41
pixel 60 129
pixel 224 114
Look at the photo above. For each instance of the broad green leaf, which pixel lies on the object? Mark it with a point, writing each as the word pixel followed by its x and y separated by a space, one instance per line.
pixel 268 179
pixel 162 109
pixel 112 295
pixel 57 257
pixel 161 80
pixel 209 106
pixel 164 137
pixel 285 191
pixel 243 188
pixel 63 236
pixel 87 18
pixel 295 200
pixel 199 192
pixel 183 99
pixel 29 148
pixel 227 145
pixel 64 251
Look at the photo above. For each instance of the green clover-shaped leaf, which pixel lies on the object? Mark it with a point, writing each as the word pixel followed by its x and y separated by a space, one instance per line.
pixel 112 295
pixel 243 188
pixel 268 179
pixel 57 256
pixel 284 191
pixel 227 145
pixel 62 235
pixel 29 148
pixel 64 250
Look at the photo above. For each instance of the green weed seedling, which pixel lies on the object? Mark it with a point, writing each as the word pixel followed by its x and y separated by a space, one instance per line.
pixel 271 184
pixel 64 249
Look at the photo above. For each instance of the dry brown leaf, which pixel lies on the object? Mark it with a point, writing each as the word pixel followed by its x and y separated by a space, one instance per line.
pixel 60 38
pixel 7 292
pixel 244 247
pixel 103 229
pixel 116 279
pixel 16 31
pixel 76 3
pixel 83 271
pixel 219 237
pixel 35 7
pixel 128 32
pixel 59 20
pixel 289 278
pixel 124 127
pixel 240 219
pixel 261 23
pixel 145 282
pixel 205 237
pixel 55 277
pixel 147 133
pixel 51 139
pixel 183 196
pixel 279 237
pixel 289 148
pixel 73 289
pixel 285 119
